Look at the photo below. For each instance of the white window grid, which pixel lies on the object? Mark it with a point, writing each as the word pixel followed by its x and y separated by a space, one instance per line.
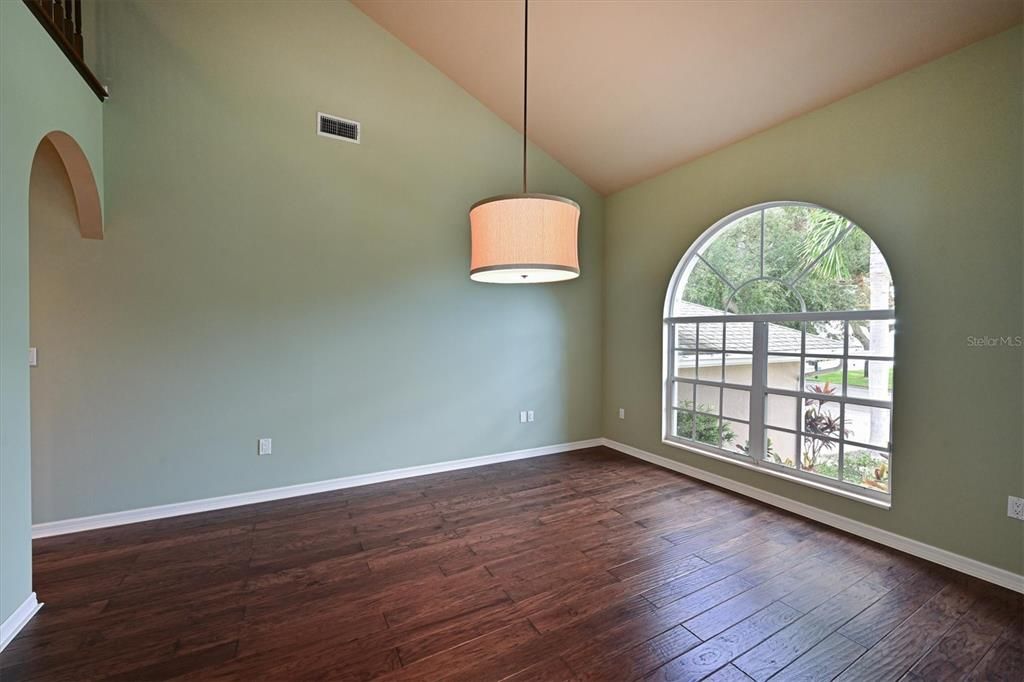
pixel 759 390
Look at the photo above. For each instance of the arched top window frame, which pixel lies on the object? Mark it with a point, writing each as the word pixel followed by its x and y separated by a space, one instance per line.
pixel 758 389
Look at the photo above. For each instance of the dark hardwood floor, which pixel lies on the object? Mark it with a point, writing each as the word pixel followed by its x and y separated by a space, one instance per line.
pixel 589 565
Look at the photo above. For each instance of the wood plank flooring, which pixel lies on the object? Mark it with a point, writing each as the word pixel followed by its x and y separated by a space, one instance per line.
pixel 584 566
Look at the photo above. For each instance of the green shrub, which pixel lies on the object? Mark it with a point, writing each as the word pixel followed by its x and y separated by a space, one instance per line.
pixel 706 426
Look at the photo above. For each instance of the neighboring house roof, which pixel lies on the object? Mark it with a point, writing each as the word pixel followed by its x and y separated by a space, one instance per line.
pixel 739 335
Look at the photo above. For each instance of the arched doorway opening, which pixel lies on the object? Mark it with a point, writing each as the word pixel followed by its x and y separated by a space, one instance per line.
pixel 63 211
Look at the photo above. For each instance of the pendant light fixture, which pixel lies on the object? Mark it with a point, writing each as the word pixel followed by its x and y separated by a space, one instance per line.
pixel 524 238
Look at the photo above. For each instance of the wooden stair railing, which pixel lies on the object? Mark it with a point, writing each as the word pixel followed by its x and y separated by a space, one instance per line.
pixel 62 19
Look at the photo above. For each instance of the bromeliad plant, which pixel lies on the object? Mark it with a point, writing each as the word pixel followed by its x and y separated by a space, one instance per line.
pixel 819 424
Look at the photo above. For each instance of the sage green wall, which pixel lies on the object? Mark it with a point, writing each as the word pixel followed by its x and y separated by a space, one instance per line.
pixel 929 163
pixel 32 107
pixel 258 280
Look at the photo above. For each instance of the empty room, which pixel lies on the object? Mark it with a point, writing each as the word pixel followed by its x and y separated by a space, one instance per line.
pixel 513 340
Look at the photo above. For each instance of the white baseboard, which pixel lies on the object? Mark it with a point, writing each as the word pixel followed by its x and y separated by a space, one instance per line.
pixel 42 530
pixel 13 624
pixel 957 562
pixel 972 567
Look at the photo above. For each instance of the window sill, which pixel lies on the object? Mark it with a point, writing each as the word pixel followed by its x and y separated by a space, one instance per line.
pixel 881 504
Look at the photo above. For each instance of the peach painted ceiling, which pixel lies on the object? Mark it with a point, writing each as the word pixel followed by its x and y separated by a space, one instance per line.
pixel 621 90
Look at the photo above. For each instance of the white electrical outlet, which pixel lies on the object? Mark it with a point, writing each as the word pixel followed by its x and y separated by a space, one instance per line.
pixel 522 417
pixel 529 415
pixel 1015 507
pixel 33 357
pixel 264 446
pixel 622 413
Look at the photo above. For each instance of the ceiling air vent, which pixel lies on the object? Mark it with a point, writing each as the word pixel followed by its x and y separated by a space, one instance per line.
pixel 338 128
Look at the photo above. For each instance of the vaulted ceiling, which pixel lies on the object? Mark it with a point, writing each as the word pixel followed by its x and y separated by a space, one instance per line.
pixel 621 90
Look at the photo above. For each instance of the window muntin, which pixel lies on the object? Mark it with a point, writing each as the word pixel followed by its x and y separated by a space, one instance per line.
pixel 779 331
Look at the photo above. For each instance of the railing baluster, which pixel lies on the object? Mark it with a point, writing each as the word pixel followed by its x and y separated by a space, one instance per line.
pixel 58 17
pixel 69 27
pixel 78 42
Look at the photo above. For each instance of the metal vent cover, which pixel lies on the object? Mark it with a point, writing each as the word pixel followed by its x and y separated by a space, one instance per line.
pixel 337 127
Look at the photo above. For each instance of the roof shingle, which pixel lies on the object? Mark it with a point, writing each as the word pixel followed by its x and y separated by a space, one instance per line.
pixel 739 335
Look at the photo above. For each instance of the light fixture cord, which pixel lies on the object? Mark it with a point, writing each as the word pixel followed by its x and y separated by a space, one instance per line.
pixel 526 76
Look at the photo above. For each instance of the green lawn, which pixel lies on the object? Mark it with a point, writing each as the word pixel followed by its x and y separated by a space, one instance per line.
pixel 856 378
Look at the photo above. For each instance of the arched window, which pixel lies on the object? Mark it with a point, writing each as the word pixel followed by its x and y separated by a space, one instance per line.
pixel 779 337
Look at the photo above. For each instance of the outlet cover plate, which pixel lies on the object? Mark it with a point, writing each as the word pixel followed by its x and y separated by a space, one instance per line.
pixel 264 446
pixel 1015 507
